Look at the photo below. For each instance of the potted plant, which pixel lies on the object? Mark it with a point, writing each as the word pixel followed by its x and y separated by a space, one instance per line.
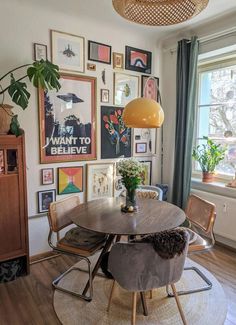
pixel 208 156
pixel 43 74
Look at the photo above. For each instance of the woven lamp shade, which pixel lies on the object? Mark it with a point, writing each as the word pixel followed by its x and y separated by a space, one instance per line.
pixel 159 12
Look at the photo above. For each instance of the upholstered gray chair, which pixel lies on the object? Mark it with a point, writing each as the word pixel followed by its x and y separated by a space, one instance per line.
pixel 152 188
pixel 138 268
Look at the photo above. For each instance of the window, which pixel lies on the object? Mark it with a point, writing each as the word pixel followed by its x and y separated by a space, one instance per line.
pixel 216 110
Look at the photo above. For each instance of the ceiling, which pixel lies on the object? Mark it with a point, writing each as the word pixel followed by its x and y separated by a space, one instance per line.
pixel 102 10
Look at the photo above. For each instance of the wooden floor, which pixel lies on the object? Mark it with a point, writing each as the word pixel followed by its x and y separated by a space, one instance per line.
pixel 28 300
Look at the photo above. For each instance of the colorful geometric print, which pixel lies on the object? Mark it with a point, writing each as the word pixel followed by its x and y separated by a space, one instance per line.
pixel 70 180
pixel 138 59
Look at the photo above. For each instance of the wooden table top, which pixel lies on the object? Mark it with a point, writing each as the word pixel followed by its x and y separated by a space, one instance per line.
pixel 105 216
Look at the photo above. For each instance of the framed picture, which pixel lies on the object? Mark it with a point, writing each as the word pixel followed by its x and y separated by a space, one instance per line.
pixel 67 51
pixel 104 96
pixel 118 60
pixel 119 186
pixel 138 60
pixel 68 120
pixel 91 66
pixel 149 88
pixel 47 176
pixel 141 147
pixel 100 180
pixel 115 136
pixel 44 199
pixel 70 180
pixel 147 136
pixel 99 52
pixel 126 88
pixel 147 173
pixel 2 162
pixel 40 52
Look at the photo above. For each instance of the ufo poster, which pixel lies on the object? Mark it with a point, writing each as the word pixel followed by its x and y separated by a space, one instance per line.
pixel 67 120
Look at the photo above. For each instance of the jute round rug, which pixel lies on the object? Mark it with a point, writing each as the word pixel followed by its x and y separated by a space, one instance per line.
pixel 208 307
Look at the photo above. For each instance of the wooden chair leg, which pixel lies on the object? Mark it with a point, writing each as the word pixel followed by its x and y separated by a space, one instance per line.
pixel 178 304
pixel 150 294
pixel 134 305
pixel 111 294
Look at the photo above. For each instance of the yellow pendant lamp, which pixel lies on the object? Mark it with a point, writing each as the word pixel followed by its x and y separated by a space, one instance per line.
pixel 143 112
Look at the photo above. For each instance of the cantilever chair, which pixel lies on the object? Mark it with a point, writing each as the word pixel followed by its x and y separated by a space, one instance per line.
pixel 201 215
pixel 88 242
pixel 138 268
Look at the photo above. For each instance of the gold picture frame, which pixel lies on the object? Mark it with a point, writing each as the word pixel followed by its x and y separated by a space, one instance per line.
pixel 118 60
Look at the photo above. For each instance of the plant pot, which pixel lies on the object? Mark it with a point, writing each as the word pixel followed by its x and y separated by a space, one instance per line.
pixel 5 118
pixel 207 177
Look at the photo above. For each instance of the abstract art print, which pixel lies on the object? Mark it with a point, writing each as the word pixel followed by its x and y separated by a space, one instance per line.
pixel 70 180
pixel 44 199
pixel 68 120
pixel 67 51
pixel 126 88
pixel 100 180
pixel 99 52
pixel 138 60
pixel 147 173
pixel 149 88
pixel 141 136
pixel 115 136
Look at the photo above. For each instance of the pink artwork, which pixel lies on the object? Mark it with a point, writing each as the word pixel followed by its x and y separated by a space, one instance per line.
pixel 138 59
pixel 150 88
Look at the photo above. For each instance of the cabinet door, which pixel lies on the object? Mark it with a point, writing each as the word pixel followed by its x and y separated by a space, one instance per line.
pixel 12 241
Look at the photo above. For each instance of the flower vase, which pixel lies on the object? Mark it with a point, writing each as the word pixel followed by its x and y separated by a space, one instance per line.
pixel 131 198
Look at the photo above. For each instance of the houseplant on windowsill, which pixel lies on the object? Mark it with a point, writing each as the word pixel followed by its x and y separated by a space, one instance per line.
pixel 130 170
pixel 43 74
pixel 208 156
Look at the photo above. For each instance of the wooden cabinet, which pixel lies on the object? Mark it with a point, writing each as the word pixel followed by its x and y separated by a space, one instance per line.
pixel 13 204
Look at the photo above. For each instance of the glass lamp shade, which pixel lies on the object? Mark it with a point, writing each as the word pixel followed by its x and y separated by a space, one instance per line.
pixel 143 113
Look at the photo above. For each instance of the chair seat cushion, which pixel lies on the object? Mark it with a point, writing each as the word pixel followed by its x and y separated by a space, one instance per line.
pixel 81 238
pixel 146 194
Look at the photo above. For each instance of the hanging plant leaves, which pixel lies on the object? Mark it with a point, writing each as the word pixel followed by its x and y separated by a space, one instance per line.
pixel 15 126
pixel 44 74
pixel 18 92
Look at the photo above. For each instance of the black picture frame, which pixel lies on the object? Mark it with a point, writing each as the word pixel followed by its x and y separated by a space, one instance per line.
pixel 142 145
pixel 113 129
pixel 93 58
pixel 44 180
pixel 43 202
pixel 143 81
pixel 129 65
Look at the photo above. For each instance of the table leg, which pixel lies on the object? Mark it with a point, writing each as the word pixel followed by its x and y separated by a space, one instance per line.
pixel 144 304
pixel 96 267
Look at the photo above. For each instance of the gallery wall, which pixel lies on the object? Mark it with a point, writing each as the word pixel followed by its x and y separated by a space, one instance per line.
pixel 31 23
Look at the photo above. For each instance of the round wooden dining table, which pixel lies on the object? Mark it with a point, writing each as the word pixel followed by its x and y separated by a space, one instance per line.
pixel 105 216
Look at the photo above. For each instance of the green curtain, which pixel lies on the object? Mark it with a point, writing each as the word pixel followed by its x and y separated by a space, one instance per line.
pixel 186 81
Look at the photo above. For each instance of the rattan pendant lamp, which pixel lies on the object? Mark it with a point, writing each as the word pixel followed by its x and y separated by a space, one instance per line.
pixel 159 12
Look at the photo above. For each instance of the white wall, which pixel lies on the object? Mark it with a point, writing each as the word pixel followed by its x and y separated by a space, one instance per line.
pixel 24 22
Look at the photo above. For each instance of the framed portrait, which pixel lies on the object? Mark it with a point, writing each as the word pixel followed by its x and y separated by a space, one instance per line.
pixel 70 180
pixel 104 96
pixel 149 88
pixel 147 136
pixel 44 199
pixel 67 51
pixel 119 187
pixel 40 52
pixel 47 176
pixel 126 88
pixel 141 147
pixel 99 52
pixel 115 136
pixel 100 180
pixel 118 60
pixel 138 60
pixel 147 173
pixel 68 120
pixel 2 162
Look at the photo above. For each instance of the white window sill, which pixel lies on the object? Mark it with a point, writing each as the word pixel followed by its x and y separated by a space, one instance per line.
pixel 218 188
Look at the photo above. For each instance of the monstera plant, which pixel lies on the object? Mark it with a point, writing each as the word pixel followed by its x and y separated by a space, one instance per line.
pixel 42 74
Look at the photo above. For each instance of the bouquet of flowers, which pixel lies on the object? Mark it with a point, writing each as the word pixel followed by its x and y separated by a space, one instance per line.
pixel 130 170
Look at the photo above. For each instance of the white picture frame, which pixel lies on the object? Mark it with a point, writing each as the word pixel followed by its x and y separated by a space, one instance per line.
pixel 100 180
pixel 147 136
pixel 126 88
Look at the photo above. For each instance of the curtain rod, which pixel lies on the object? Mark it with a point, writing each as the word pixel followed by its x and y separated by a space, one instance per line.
pixel 209 38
